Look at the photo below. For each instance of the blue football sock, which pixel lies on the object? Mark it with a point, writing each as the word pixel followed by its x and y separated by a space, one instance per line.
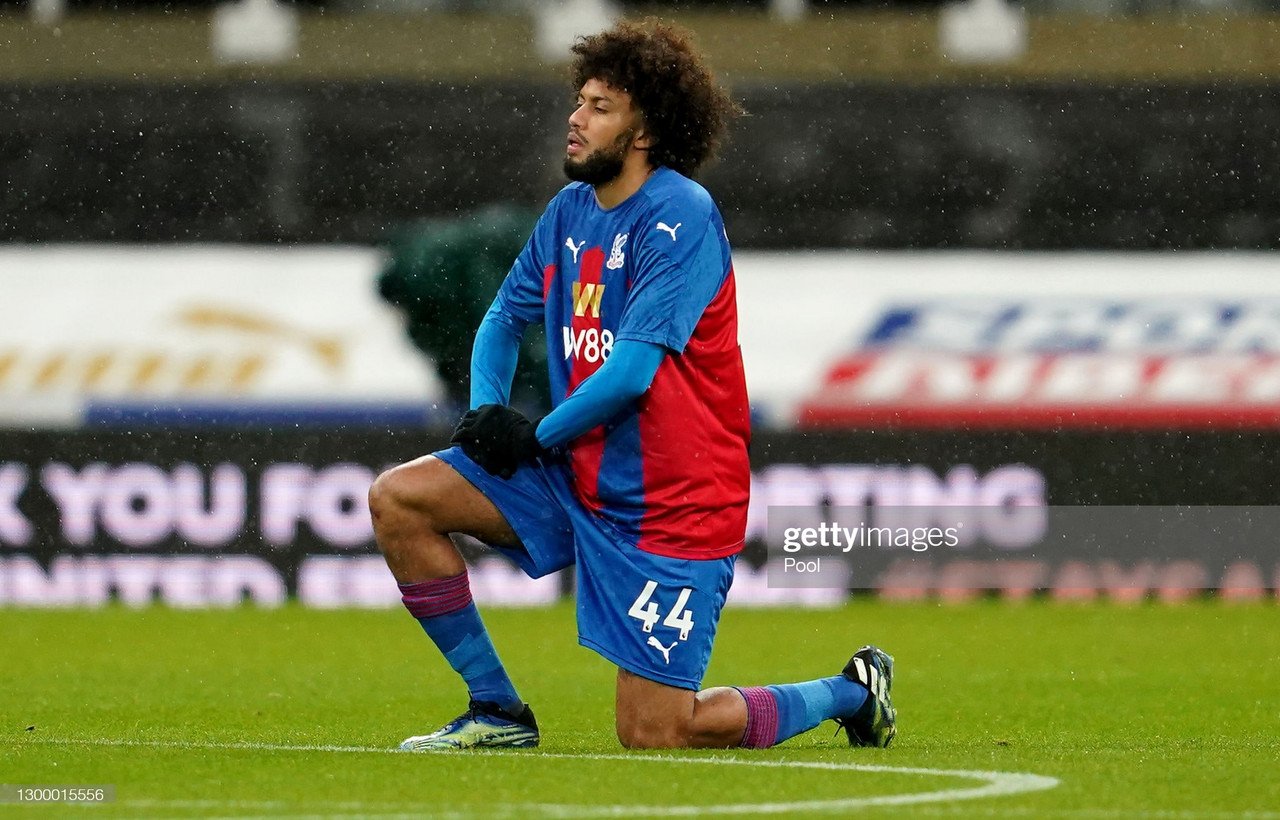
pixel 450 618
pixel 802 706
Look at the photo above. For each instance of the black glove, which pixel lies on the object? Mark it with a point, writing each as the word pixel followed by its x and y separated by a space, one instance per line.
pixel 498 438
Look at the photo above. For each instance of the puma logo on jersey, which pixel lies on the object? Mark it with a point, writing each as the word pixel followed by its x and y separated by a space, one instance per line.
pixel 662 226
pixel 586 298
pixel 568 243
pixel 665 650
pixel 616 259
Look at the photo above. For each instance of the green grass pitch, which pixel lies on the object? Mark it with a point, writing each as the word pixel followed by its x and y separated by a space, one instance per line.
pixel 1160 711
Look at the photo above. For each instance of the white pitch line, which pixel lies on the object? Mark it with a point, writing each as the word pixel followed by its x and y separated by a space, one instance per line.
pixel 1125 814
pixel 994 784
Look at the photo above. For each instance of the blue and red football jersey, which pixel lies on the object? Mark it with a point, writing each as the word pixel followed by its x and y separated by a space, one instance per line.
pixel 670 472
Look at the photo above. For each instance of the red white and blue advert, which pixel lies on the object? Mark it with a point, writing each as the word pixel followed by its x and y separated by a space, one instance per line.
pixel 1056 361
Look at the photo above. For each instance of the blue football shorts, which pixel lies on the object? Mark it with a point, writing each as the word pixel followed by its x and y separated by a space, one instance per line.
pixel 649 614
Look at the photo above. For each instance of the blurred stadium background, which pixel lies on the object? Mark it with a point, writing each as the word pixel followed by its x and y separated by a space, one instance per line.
pixel 1014 253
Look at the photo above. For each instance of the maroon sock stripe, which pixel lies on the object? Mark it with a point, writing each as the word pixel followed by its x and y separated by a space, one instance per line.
pixel 439 596
pixel 762 718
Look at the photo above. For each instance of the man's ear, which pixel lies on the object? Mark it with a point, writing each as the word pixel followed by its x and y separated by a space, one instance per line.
pixel 643 140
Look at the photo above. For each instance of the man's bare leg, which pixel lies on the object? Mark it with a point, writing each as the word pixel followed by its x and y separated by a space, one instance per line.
pixel 652 715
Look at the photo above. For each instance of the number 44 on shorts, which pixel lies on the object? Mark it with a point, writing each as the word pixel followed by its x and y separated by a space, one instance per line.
pixel 646 611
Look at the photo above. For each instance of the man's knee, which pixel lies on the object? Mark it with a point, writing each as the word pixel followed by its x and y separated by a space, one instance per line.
pixel 653 715
pixel 654 734
pixel 407 490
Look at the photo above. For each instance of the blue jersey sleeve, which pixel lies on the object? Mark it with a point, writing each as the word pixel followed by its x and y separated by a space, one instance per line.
pixel 494 356
pixel 520 302
pixel 683 259
pixel 622 379
pixel 521 294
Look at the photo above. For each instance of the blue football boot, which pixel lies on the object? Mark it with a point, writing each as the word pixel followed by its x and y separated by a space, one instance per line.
pixel 483 725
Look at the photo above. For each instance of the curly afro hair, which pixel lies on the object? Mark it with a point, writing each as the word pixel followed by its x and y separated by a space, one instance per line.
pixel 684 109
